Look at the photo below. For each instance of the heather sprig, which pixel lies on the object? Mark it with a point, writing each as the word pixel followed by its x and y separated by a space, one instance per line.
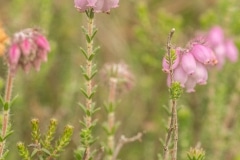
pixel 196 154
pixel 118 78
pixel 43 147
pixel 89 71
pixel 175 91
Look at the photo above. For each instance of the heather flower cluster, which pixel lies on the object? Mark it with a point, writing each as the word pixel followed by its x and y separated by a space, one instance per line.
pixel 222 46
pixel 28 48
pixel 120 73
pixel 190 65
pixel 97 5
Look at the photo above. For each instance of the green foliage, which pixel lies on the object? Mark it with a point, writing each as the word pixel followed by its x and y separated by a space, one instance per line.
pixel 175 90
pixel 196 154
pixel 45 148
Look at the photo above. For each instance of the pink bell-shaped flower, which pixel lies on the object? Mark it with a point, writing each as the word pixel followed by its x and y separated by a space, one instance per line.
pixel 201 74
pixel 190 84
pixel 231 51
pixel 201 53
pixel 180 75
pixel 188 63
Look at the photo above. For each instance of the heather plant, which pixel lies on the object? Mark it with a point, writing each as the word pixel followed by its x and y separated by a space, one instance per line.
pixel 43 147
pixel 199 84
pixel 84 150
pixel 119 79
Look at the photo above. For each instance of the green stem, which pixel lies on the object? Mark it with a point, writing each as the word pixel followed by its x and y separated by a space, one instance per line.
pixel 5 121
pixel 89 85
pixel 111 117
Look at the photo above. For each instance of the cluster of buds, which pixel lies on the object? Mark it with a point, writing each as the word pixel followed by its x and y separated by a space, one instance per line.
pixel 3 40
pixel 223 47
pixel 97 5
pixel 189 66
pixel 119 73
pixel 28 48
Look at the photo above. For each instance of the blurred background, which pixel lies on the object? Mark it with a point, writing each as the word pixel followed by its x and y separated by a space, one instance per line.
pixel 134 33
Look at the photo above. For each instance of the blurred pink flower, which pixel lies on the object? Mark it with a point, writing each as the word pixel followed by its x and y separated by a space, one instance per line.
pixel 120 73
pixel 27 48
pixel 97 5
pixel 223 47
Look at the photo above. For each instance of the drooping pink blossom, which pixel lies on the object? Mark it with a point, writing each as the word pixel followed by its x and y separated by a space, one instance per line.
pixel 231 50
pixel 223 46
pixel 103 6
pixel 200 74
pixel 179 75
pixel 201 53
pixel 28 48
pixel 14 54
pixel 188 63
pixel 215 36
pixel 190 84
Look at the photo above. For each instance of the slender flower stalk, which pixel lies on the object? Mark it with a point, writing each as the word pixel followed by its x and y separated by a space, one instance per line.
pixel 119 78
pixel 111 118
pixel 175 92
pixel 89 85
pixel 89 71
pixel 6 117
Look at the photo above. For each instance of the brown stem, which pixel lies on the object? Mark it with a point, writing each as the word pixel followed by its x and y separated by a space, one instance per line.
pixel 123 140
pixel 173 120
pixel 5 121
pixel 175 131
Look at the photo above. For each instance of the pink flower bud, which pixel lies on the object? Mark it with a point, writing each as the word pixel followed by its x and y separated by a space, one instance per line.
pixel 188 63
pixel 37 64
pixel 180 75
pixel 42 43
pixel 201 53
pixel 215 36
pixel 26 47
pixel 200 74
pixel 190 84
pixel 42 54
pixel 220 51
pixel 231 51
pixel 14 54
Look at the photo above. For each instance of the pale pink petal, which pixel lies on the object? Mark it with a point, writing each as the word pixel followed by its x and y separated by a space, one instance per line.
pixel 231 51
pixel 201 53
pixel 215 36
pixel 81 5
pixel 188 63
pixel 14 54
pixel 190 84
pixel 180 75
pixel 26 47
pixel 201 74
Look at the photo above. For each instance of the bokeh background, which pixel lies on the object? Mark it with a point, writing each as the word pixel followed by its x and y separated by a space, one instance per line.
pixel 134 33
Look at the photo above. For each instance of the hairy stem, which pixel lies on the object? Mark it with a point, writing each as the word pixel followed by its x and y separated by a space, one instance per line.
pixel 111 118
pixel 5 120
pixel 89 86
pixel 173 125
